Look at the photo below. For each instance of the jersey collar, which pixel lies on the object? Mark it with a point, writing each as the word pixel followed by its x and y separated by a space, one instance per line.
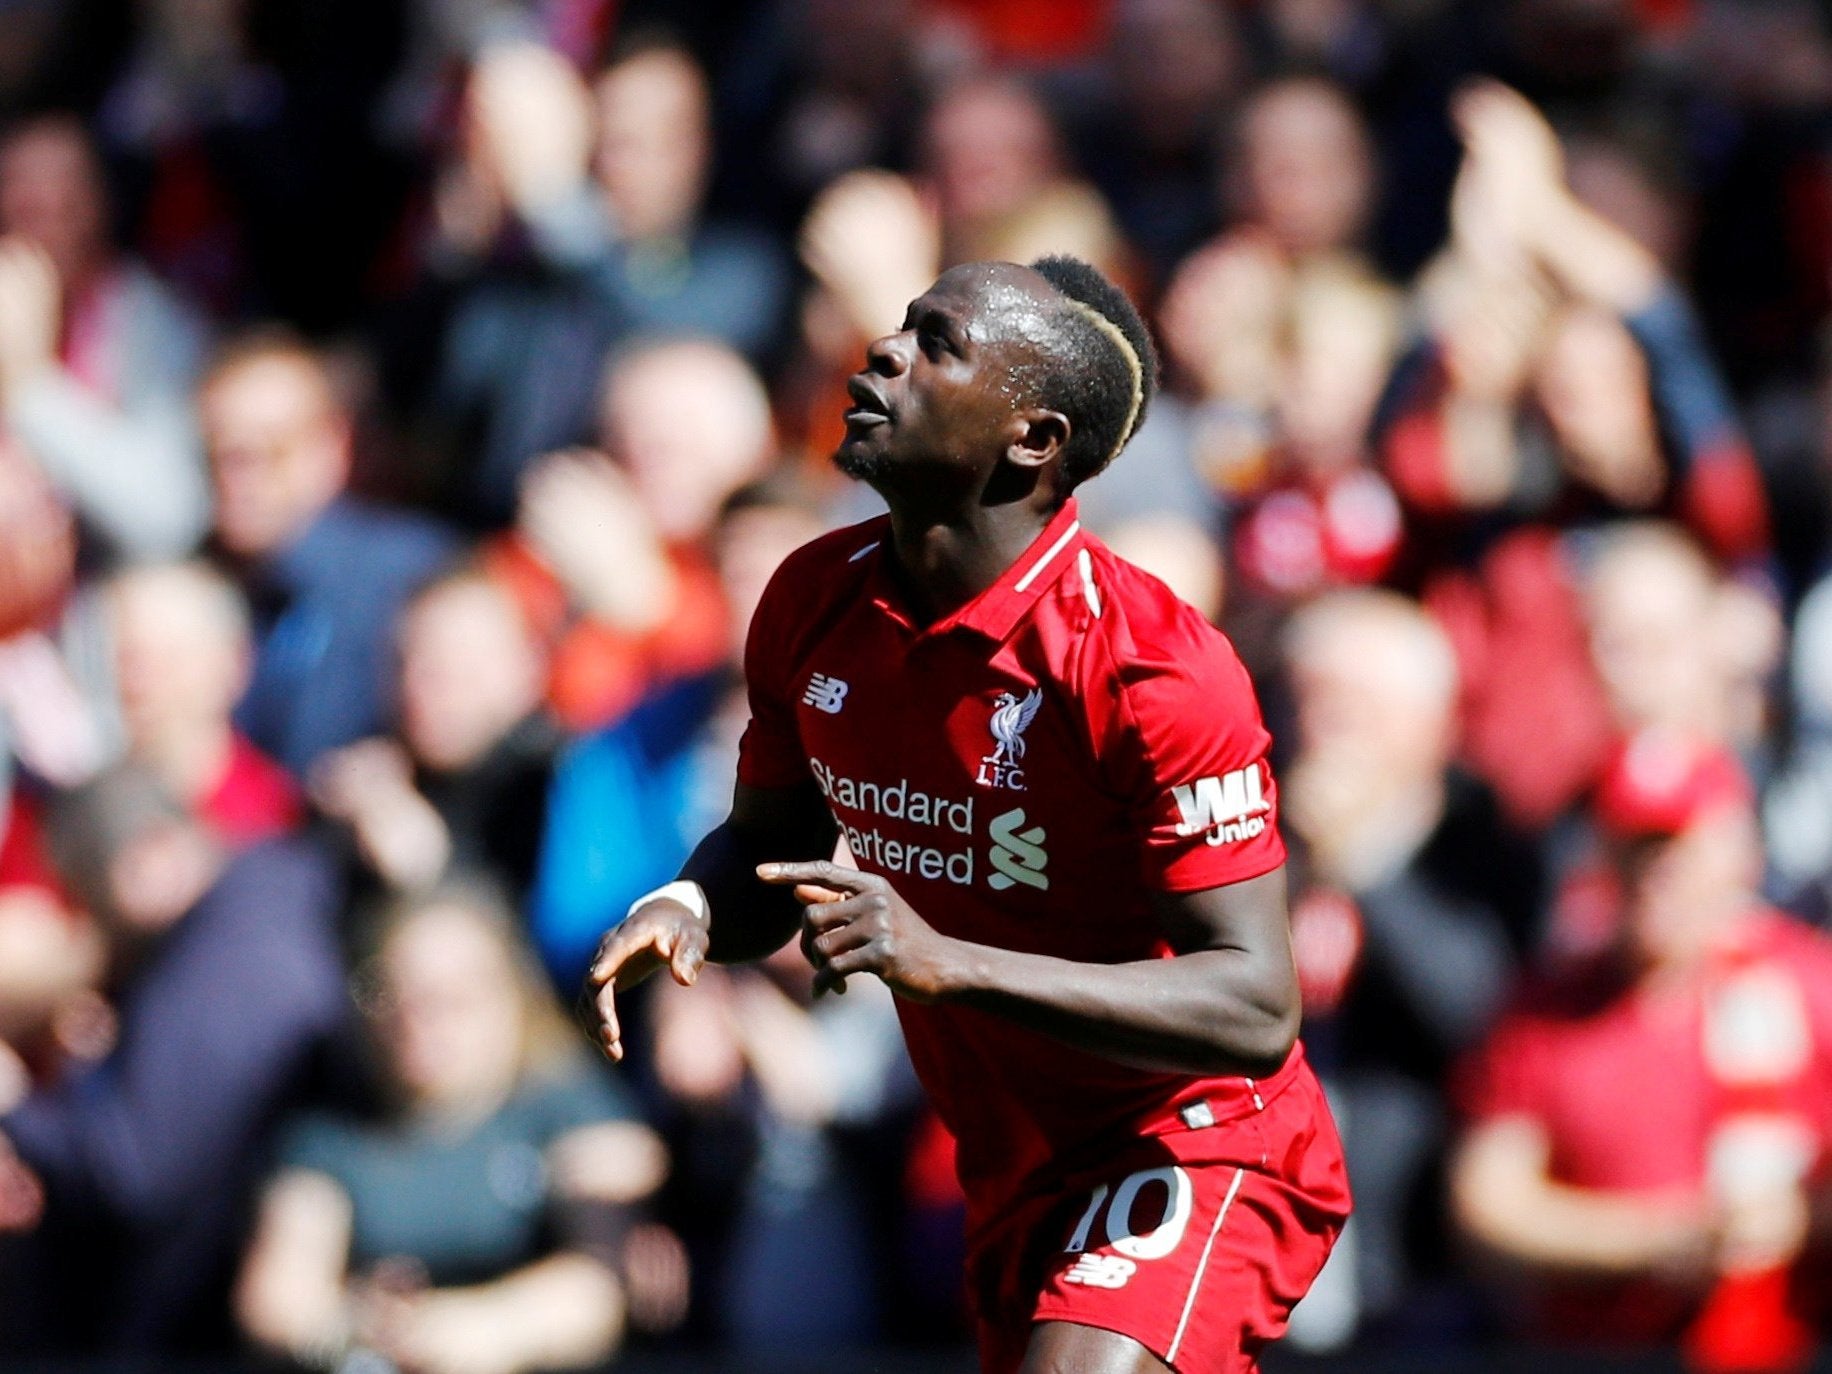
pixel 995 612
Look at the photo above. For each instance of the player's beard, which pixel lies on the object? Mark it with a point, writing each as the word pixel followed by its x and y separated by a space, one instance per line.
pixel 857 461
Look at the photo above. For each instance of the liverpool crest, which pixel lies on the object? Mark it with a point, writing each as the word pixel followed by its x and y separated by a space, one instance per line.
pixel 1011 717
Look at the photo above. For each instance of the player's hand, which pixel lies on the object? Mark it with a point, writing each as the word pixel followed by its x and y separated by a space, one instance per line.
pixel 855 922
pixel 659 934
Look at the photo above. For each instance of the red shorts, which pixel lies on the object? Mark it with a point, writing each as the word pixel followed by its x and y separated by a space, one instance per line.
pixel 1196 1243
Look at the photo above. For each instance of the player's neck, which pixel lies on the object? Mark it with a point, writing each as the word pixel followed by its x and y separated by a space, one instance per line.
pixel 944 562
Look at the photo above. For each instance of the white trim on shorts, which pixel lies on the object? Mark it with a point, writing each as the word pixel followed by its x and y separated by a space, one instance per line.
pixel 1202 1266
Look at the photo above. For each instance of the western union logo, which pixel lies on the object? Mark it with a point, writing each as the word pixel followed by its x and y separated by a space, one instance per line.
pixel 1231 807
pixel 1017 854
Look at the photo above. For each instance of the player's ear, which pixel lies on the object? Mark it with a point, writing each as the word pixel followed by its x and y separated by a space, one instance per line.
pixel 1041 437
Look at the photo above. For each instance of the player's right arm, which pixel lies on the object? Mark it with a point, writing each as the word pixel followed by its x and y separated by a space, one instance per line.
pixel 777 809
pixel 741 919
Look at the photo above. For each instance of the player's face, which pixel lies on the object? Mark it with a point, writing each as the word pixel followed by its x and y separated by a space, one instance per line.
pixel 941 398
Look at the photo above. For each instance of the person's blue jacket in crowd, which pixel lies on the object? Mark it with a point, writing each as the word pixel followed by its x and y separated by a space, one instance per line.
pixel 324 617
pixel 627 806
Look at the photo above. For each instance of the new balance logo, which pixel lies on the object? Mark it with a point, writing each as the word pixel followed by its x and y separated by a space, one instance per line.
pixel 1229 808
pixel 825 694
pixel 1017 855
pixel 1101 1271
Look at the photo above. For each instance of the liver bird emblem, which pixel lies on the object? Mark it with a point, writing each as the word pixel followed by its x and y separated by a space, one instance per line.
pixel 1011 717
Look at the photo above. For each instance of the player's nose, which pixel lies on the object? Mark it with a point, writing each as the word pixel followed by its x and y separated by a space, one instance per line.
pixel 889 354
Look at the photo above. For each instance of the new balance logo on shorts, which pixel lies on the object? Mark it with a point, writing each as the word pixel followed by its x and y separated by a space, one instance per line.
pixel 1101 1271
pixel 1225 809
pixel 825 694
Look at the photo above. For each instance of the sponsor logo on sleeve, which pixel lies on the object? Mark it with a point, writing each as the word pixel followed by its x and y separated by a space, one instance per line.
pixel 1224 810
pixel 1011 717
pixel 825 693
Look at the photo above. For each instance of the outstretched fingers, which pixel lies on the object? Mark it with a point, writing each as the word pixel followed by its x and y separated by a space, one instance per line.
pixel 818 873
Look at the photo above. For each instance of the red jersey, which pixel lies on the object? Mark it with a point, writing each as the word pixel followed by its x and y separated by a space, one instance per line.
pixel 1026 772
pixel 1671 1093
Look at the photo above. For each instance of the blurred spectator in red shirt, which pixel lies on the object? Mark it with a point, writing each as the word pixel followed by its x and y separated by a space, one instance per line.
pixel 1568 642
pixel 97 358
pixel 461 784
pixel 1649 1141
pixel 181 662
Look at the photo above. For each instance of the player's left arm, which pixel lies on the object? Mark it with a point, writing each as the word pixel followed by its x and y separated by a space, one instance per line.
pixel 1227 1003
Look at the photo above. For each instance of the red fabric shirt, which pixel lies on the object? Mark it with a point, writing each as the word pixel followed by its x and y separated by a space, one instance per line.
pixel 1026 771
pixel 255 799
pixel 1638 1091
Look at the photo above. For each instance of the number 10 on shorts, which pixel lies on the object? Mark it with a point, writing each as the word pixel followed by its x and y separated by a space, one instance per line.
pixel 1112 1271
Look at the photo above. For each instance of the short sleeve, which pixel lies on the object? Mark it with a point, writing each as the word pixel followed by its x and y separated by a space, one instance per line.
pixel 581 1094
pixel 1507 1075
pixel 771 754
pixel 1190 750
pixel 318 1143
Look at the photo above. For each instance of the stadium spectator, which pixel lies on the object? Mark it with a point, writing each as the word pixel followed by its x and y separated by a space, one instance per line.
pixel 684 424
pixel 249 156
pixel 1594 401
pixel 620 247
pixel 836 87
pixel 772 1098
pixel 1648 1134
pixel 461 785
pixel 1280 335
pixel 324 573
pixel 631 800
pixel 97 358
pixel 1569 641
pixel 994 162
pixel 226 979
pixel 1414 901
pixel 473 1223
pixel 181 661
pixel 1304 174
pixel 1171 69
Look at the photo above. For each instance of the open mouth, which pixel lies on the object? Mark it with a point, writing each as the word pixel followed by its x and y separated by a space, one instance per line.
pixel 868 407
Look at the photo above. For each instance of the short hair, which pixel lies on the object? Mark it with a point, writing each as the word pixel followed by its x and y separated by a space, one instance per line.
pixel 274 343
pixel 1419 658
pixel 1102 369
pixel 209 584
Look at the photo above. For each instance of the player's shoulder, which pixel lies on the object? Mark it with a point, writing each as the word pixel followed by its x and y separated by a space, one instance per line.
pixel 816 562
pixel 812 586
pixel 1145 631
pixel 826 568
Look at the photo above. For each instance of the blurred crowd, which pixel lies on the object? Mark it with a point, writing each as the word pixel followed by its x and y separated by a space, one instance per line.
pixel 403 404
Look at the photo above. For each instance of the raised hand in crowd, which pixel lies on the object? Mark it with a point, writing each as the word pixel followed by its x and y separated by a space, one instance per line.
pixel 31 305
pixel 582 516
pixel 525 144
pixel 872 241
pixel 369 786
